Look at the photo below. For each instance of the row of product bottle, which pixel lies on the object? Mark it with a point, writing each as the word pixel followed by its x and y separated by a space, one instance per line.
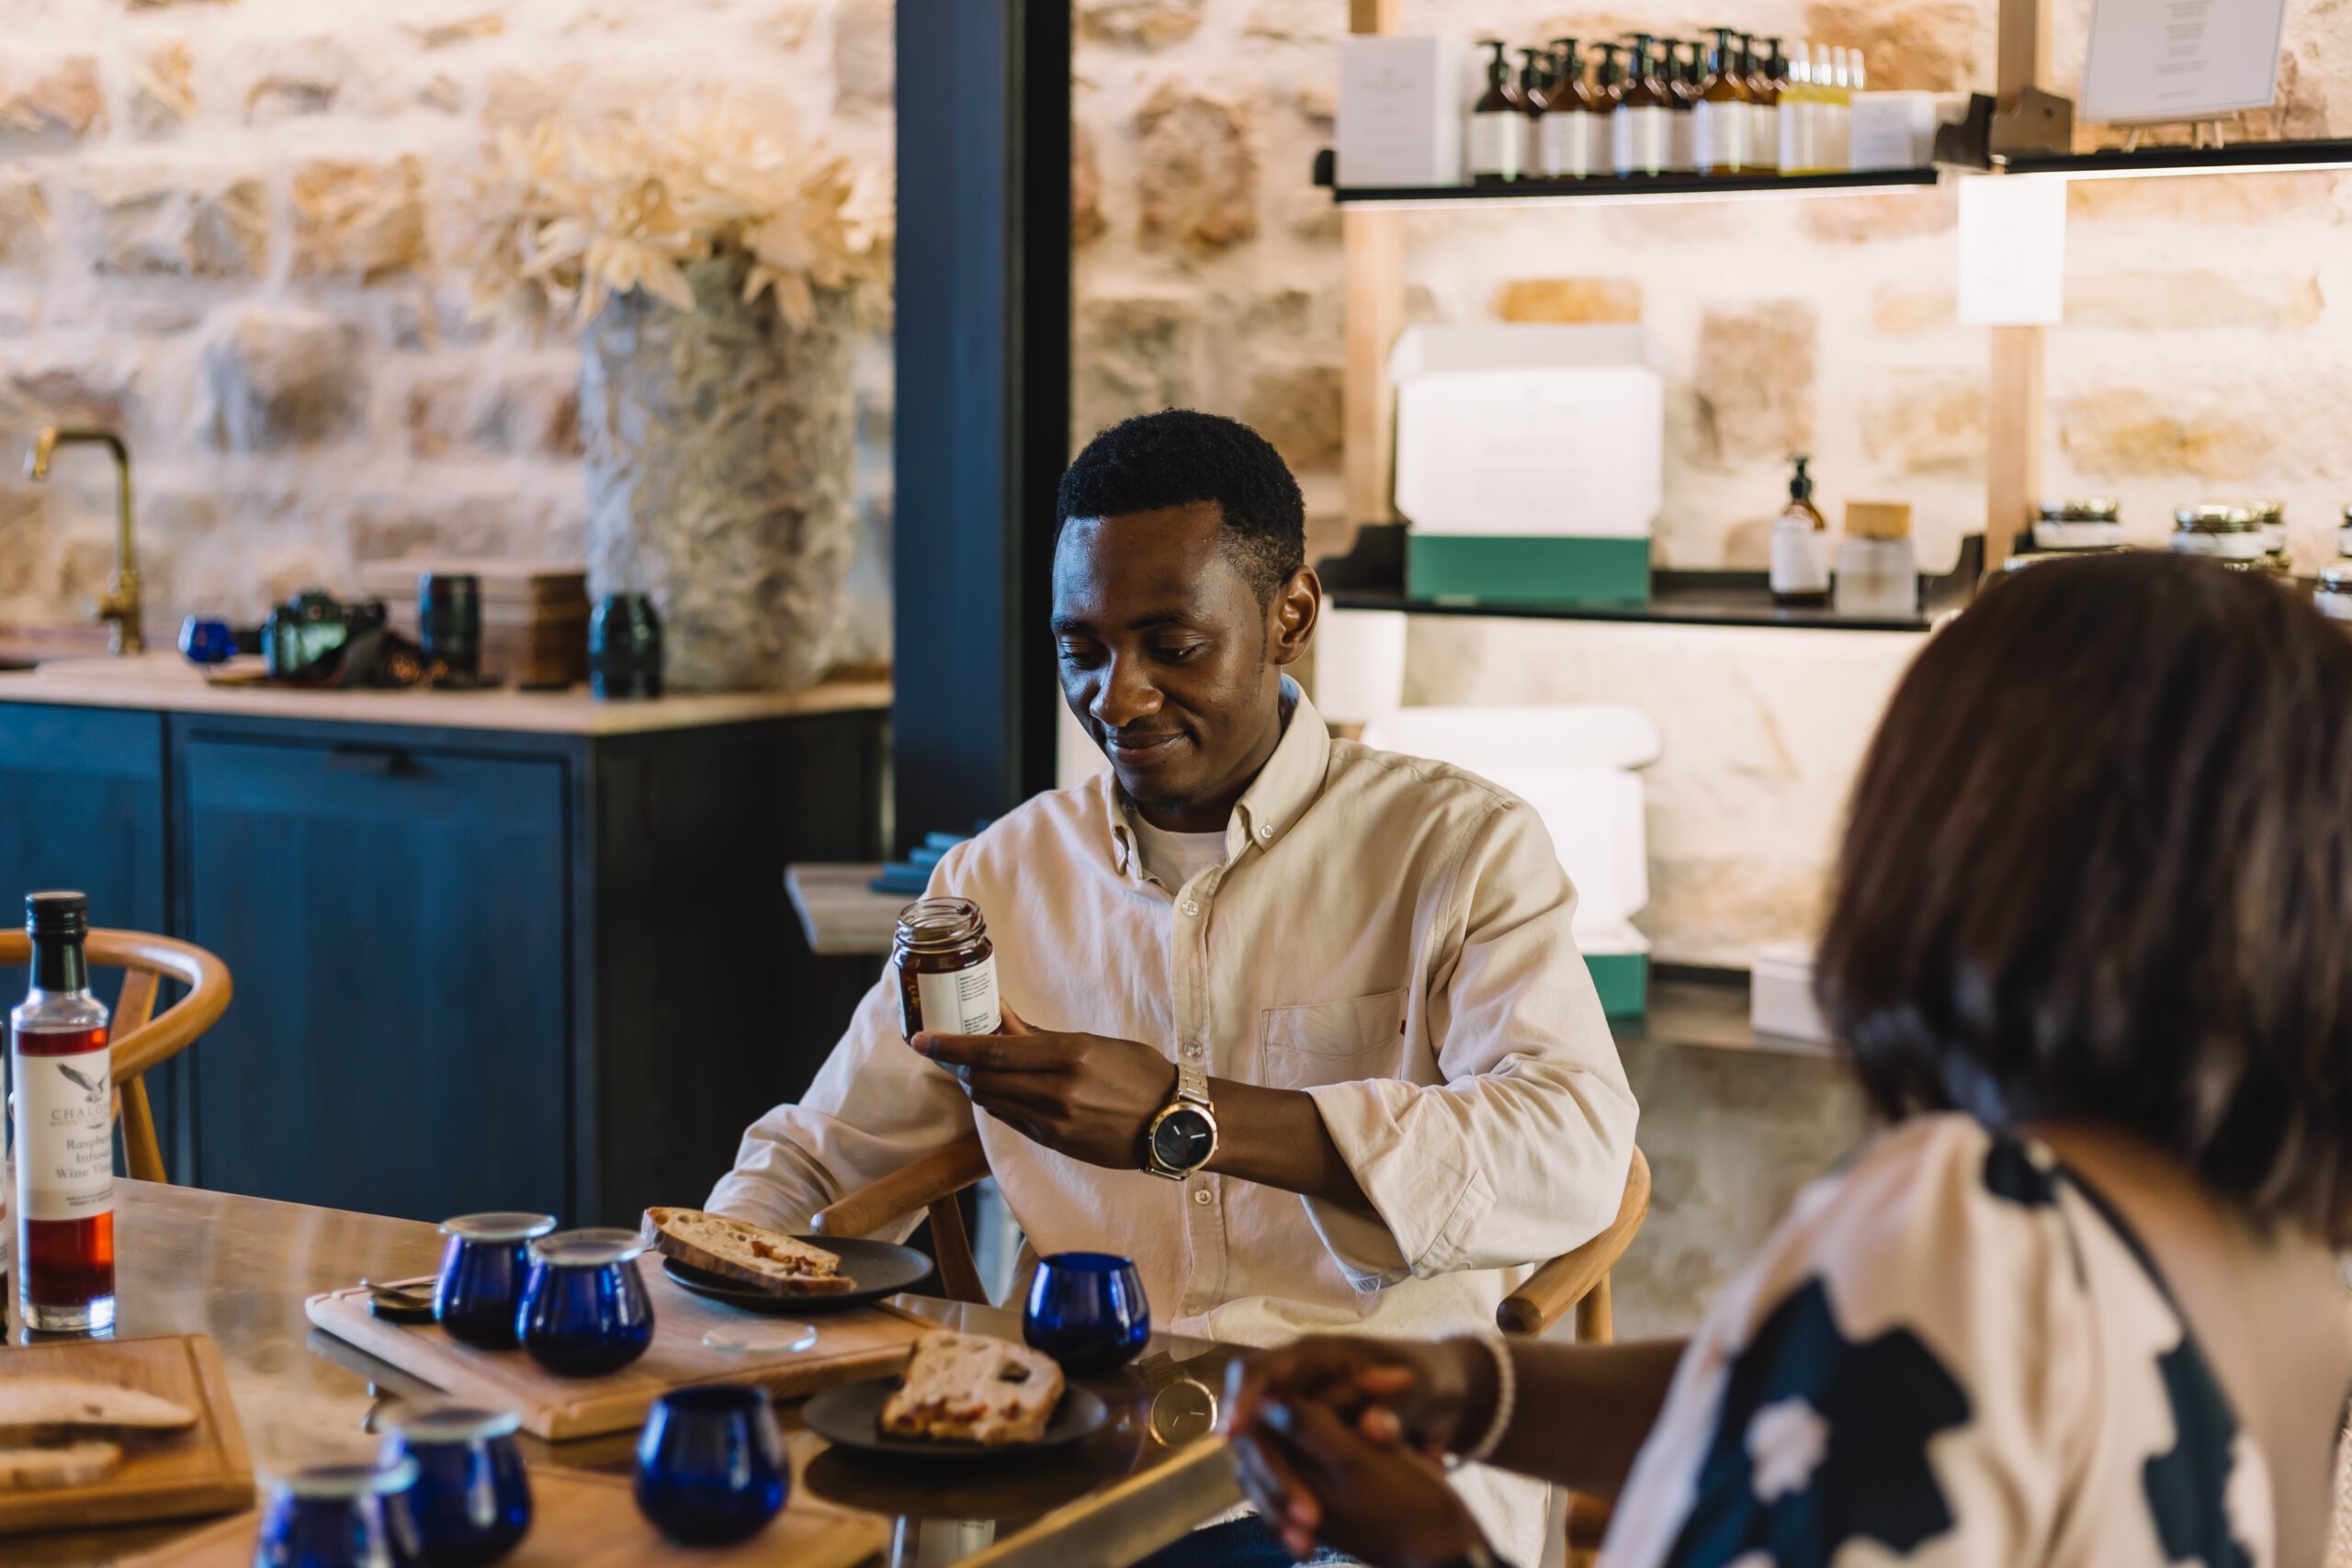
pixel 1648 109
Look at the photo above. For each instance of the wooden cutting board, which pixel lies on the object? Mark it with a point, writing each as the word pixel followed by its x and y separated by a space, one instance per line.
pixel 861 1343
pixel 202 1471
pixel 583 1520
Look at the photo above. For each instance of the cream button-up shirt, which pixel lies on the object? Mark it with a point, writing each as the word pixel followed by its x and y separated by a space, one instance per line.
pixel 1389 935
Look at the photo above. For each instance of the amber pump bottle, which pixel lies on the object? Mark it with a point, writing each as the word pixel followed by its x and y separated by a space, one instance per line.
pixel 1641 127
pixel 1766 73
pixel 1498 130
pixel 1720 121
pixel 1534 105
pixel 1573 125
pixel 1800 569
pixel 1683 98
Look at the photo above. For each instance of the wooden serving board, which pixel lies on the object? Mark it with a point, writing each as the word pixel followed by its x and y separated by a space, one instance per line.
pixel 861 1343
pixel 583 1520
pixel 204 1470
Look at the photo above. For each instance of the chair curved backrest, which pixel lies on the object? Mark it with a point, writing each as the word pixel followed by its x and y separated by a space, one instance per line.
pixel 141 1040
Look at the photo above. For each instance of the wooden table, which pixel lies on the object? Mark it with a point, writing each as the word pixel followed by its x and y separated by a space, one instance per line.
pixel 238 1270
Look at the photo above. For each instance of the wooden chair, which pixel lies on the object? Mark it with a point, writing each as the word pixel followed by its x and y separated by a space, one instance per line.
pixel 1574 1281
pixel 141 1040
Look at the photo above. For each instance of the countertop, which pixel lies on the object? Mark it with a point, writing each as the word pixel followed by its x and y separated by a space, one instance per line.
pixel 167 682
pixel 238 1270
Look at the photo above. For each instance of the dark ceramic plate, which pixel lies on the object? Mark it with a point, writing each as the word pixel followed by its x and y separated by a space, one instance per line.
pixel 849 1415
pixel 880 1269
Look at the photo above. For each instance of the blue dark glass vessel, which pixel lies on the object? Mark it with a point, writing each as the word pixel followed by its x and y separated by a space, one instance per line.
pixel 207 642
pixel 333 1516
pixel 1087 1310
pixel 584 1309
pixel 710 1465
pixel 471 1500
pixel 482 1268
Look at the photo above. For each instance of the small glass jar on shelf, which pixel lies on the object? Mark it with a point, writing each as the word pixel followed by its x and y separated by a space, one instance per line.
pixel 2083 523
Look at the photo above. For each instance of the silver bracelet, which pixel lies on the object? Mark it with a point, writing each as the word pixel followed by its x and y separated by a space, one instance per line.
pixel 1506 1398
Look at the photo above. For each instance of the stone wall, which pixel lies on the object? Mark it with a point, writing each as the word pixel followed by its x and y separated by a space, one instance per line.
pixel 223 229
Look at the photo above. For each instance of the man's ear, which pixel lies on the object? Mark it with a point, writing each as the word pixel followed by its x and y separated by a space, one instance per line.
pixel 1290 618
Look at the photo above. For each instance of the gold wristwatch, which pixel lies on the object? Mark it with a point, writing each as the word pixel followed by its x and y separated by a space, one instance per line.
pixel 1183 1137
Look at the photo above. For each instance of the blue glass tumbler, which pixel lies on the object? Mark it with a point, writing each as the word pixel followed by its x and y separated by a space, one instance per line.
pixel 472 1501
pixel 482 1268
pixel 584 1309
pixel 710 1465
pixel 332 1515
pixel 1087 1310
pixel 207 642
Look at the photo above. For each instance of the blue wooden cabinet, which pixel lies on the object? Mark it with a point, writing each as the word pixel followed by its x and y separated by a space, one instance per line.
pixel 474 969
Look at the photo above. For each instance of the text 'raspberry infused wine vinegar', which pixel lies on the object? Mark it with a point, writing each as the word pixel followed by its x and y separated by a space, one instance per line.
pixel 60 1089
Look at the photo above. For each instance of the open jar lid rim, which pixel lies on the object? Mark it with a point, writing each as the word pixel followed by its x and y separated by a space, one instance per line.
pixel 595 1247
pixel 499 1224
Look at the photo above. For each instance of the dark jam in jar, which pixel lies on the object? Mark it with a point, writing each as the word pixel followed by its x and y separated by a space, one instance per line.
pixel 946 969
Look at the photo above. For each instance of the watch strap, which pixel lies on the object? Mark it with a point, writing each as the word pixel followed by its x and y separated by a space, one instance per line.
pixel 1192 1084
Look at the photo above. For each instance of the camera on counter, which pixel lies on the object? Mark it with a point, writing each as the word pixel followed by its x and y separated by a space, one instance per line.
pixel 316 639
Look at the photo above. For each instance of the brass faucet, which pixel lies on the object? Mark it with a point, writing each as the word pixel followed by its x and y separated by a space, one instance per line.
pixel 120 607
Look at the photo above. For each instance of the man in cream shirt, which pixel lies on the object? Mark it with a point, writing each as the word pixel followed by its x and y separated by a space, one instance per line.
pixel 1339 982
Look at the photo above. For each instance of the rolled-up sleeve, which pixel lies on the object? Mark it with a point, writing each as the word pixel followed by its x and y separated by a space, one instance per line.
pixel 1521 1153
pixel 875 1109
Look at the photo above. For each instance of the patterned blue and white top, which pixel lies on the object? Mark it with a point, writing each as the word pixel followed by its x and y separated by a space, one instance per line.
pixel 1952 1352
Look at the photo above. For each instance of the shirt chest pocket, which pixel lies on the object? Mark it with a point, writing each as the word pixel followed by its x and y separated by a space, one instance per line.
pixel 1322 1043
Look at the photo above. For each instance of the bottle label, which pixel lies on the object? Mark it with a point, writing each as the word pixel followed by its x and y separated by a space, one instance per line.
pixel 1493 143
pixel 961 1003
pixel 1764 135
pixel 1719 137
pixel 65 1136
pixel 1640 140
pixel 1798 129
pixel 2053 535
pixel 1568 145
pixel 1800 558
pixel 1681 154
pixel 2222 546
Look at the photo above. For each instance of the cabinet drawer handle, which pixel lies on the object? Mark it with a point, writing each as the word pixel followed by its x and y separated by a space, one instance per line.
pixel 378 762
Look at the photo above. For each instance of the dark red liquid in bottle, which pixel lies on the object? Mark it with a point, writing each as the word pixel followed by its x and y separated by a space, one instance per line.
pixel 64 1263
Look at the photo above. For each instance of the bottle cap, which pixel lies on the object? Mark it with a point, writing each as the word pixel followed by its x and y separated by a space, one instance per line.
pixel 1878 519
pixel 1799 482
pixel 57 916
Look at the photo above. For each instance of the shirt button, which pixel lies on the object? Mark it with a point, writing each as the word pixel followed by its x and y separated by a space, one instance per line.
pixel 1201 1196
pixel 1192 1050
pixel 1265 830
pixel 1191 908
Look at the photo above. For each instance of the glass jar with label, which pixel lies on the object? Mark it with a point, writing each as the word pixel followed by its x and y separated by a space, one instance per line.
pixel 2084 522
pixel 2270 516
pixel 946 969
pixel 2223 531
pixel 2332 594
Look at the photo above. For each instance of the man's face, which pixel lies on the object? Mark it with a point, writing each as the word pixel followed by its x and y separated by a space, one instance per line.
pixel 1169 659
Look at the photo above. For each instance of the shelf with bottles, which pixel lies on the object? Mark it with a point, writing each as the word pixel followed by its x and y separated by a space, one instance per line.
pixel 1371 576
pixel 1653 118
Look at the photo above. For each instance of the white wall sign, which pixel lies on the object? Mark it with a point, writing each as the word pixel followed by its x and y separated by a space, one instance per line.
pixel 2012 250
pixel 2159 59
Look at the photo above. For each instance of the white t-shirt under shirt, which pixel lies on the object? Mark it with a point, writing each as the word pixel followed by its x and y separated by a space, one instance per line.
pixel 1175 858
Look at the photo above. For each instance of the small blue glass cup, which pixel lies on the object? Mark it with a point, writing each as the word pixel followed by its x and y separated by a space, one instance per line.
pixel 471 1500
pixel 207 642
pixel 710 1464
pixel 333 1516
pixel 482 1269
pixel 585 1310
pixel 1087 1310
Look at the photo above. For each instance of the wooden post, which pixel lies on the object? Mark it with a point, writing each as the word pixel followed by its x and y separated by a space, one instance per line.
pixel 1372 253
pixel 2014 409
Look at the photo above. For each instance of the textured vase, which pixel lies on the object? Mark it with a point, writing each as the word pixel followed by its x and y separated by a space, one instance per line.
pixel 721 450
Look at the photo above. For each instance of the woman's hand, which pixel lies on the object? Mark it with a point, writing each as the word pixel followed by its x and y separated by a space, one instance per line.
pixel 1385 1504
pixel 1394 1395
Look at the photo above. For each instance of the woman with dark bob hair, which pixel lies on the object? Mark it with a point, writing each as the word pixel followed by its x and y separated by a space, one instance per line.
pixel 2079 1302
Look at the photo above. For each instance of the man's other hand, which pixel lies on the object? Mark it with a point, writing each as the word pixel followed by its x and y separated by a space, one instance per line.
pixel 1086 1096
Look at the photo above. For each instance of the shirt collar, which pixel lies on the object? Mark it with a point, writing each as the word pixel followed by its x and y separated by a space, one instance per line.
pixel 1283 790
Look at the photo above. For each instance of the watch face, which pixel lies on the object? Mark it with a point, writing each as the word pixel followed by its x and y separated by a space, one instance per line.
pixel 1182 1139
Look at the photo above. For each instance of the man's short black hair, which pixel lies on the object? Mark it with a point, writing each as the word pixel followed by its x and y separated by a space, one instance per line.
pixel 1180 456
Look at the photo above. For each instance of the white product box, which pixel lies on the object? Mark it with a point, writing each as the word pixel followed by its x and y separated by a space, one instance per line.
pixel 1529 429
pixel 1780 999
pixel 1897 130
pixel 1401 111
pixel 1575 764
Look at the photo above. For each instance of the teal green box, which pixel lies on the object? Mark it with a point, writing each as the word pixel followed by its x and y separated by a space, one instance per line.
pixel 1624 981
pixel 1532 569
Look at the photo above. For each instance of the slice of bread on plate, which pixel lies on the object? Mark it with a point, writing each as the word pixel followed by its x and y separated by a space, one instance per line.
pixel 75 1464
pixel 967 1388
pixel 747 1253
pixel 42 1410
